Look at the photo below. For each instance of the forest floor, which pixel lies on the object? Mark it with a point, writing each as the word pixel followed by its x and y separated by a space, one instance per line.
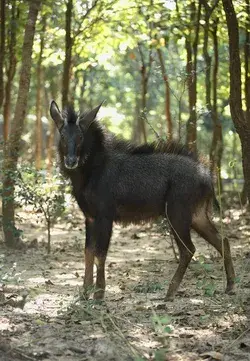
pixel 134 323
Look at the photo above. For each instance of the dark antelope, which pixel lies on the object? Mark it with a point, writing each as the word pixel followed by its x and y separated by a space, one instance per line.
pixel 116 181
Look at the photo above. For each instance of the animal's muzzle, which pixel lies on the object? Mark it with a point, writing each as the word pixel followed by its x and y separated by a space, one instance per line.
pixel 71 162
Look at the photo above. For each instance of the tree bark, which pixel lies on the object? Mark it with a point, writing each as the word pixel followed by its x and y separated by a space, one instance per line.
pixel 144 102
pixel 240 121
pixel 145 74
pixel 12 149
pixel 167 97
pixel 39 70
pixel 136 125
pixel 247 62
pixel 52 130
pixel 11 70
pixel 2 49
pixel 191 68
pixel 216 149
pixel 247 83
pixel 68 54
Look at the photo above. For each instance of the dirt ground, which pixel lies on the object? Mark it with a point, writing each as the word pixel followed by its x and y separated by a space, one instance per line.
pixel 42 316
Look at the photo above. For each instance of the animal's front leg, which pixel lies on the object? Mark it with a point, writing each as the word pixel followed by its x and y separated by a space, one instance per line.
pixel 102 233
pixel 89 257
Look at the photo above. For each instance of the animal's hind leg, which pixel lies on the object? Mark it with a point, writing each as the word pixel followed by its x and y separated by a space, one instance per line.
pixel 206 229
pixel 89 258
pixel 102 234
pixel 180 220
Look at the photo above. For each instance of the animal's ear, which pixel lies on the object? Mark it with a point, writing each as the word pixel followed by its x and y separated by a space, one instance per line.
pixel 91 115
pixel 56 114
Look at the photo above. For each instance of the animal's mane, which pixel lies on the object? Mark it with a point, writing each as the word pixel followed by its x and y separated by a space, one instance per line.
pixel 159 146
pixel 121 145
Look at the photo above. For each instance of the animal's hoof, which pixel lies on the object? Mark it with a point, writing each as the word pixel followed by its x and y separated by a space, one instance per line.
pixel 99 295
pixel 230 290
pixel 168 298
pixel 86 292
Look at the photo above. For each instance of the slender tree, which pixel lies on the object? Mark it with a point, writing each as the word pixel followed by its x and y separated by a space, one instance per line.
pixel 39 75
pixel 145 70
pixel 247 61
pixel 216 149
pixel 2 49
pixel 52 127
pixel 211 87
pixel 241 123
pixel 13 147
pixel 246 81
pixel 68 53
pixel 191 69
pixel 11 67
pixel 167 96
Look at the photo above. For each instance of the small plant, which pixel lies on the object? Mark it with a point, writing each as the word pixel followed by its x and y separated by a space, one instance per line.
pixel 162 324
pixel 9 275
pixel 148 287
pixel 160 355
pixel 45 194
pixel 162 327
pixel 207 285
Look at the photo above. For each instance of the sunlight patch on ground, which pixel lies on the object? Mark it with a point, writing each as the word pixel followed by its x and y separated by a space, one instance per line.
pixel 4 324
pixel 196 301
pixel 36 280
pixel 47 303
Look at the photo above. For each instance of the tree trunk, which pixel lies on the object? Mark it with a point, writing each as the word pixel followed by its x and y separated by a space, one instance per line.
pixel 208 61
pixel 10 71
pixel 216 145
pixel 191 67
pixel 13 147
pixel 167 97
pixel 191 81
pixel 136 124
pixel 145 69
pixel 2 49
pixel 247 84
pixel 240 121
pixel 48 234
pixel 51 146
pixel 68 54
pixel 39 70
pixel 216 149
pixel 247 62
pixel 143 103
pixel 52 127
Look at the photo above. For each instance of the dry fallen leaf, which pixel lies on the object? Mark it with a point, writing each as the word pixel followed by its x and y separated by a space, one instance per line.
pixel 49 283
pixel 212 355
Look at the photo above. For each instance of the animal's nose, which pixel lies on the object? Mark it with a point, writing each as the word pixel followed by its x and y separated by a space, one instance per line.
pixel 71 162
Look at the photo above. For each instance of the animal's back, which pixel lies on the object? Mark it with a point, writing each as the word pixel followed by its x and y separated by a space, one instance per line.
pixel 141 184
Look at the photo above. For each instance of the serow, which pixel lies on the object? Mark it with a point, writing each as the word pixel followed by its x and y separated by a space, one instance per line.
pixel 116 181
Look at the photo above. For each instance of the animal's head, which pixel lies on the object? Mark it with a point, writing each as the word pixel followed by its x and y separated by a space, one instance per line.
pixel 73 130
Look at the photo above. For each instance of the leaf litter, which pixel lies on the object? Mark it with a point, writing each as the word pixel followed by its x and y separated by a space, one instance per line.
pixel 43 315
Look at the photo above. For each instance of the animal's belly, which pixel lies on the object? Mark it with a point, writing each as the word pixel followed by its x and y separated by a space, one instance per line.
pixel 138 214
